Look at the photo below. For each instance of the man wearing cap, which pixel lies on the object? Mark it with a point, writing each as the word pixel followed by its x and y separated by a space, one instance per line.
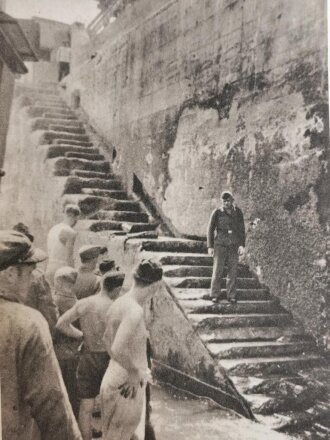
pixel 94 359
pixel 60 242
pixel 225 242
pixel 88 282
pixel 40 295
pixel 32 388
pixel 123 385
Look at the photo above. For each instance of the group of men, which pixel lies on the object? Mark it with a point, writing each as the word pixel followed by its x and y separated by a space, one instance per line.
pixel 84 306
pixel 90 308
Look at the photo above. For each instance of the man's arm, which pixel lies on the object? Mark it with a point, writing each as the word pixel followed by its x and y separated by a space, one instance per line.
pixel 241 228
pixel 45 302
pixel 68 238
pixel 211 229
pixel 42 386
pixel 64 323
pixel 120 351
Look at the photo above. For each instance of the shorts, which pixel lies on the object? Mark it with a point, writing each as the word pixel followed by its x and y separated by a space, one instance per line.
pixel 90 372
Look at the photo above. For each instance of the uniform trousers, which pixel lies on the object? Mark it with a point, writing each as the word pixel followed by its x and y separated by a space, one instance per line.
pixel 224 255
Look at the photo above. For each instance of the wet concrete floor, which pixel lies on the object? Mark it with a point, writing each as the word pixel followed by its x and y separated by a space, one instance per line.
pixel 178 417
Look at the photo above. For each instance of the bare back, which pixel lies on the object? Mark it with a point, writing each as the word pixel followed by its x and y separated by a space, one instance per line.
pixel 92 313
pixel 60 243
pixel 127 315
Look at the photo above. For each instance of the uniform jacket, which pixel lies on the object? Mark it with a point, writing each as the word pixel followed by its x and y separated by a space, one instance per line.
pixel 226 229
pixel 31 384
pixel 40 298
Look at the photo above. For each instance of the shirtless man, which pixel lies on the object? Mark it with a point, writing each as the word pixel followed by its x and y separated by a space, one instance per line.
pixel 60 242
pixel 94 359
pixel 88 282
pixel 123 385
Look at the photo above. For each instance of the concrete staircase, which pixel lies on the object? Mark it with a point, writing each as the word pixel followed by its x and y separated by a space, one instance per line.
pixel 267 354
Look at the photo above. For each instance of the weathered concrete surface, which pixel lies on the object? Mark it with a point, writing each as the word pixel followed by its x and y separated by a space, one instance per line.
pixel 174 342
pixel 197 97
pixel 29 191
pixel 179 417
pixel 6 94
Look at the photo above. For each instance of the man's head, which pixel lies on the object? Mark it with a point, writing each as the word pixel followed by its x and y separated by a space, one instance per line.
pixel 18 258
pixel 107 266
pixel 72 213
pixel 21 227
pixel 89 255
pixel 112 283
pixel 227 199
pixel 147 273
pixel 65 278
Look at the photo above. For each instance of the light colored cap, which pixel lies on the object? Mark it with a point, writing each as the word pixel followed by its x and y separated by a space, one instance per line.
pixel 66 273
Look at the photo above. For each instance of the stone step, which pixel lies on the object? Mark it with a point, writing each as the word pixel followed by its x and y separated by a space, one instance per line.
pixel 168 244
pixel 91 174
pixel 205 282
pixel 226 308
pixel 44 123
pixel 35 111
pixel 64 165
pixel 83 155
pixel 214 322
pixel 52 99
pixel 271 365
pixel 75 185
pixel 292 331
pixel 241 294
pixel 196 271
pixel 87 204
pixel 67 129
pixel 60 141
pixel 97 226
pixel 185 259
pixel 51 104
pixel 304 423
pixel 254 349
pixel 50 136
pixel 126 216
pixel 62 150
pixel 52 114
pixel 110 194
pixel 124 205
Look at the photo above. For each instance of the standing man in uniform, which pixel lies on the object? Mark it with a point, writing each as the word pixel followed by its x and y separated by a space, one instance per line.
pixel 32 389
pixel 124 384
pixel 60 242
pixel 225 242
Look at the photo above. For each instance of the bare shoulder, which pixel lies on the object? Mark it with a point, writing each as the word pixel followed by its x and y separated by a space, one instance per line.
pixel 125 308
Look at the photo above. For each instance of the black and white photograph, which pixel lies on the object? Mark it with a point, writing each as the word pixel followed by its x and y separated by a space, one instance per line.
pixel 164 220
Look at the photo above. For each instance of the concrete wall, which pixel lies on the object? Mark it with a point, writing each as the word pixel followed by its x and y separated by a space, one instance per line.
pixel 6 94
pixel 29 192
pixel 197 97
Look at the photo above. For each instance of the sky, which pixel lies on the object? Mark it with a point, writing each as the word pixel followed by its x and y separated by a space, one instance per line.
pixel 67 11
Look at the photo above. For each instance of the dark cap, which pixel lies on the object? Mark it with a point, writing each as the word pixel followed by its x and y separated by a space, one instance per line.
pixel 107 265
pixel 225 195
pixel 71 209
pixel 89 252
pixel 112 280
pixel 21 227
pixel 148 271
pixel 16 248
